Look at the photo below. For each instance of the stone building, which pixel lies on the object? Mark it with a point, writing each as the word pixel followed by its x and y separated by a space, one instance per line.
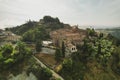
pixel 72 35
pixel 70 48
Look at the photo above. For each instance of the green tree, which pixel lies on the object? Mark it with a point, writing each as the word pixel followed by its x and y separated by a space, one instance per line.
pixel 39 72
pixel 29 36
pixel 11 55
pixel 46 74
pixel 48 19
pixel 67 65
pixel 98 48
pixel 6 50
pixel 101 35
pixel 39 33
pixel 105 50
pixel 38 45
pixel 6 60
pixel 35 69
pixel 58 54
pixel 91 32
pixel 20 47
pixel 63 49
pixel 116 60
pixel 22 51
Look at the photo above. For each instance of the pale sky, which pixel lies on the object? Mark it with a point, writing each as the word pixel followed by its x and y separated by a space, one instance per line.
pixel 81 12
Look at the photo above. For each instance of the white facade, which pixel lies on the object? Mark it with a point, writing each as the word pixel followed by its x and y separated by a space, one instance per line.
pixel 46 43
pixel 70 48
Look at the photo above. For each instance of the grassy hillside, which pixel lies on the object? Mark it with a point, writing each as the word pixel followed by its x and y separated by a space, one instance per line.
pixel 98 58
pixel 49 23
pixel 32 31
pixel 23 28
pixel 115 32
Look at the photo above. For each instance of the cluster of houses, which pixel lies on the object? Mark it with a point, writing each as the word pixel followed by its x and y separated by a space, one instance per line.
pixel 70 36
pixel 8 37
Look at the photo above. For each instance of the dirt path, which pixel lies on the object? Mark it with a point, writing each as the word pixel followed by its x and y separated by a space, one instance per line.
pixel 43 65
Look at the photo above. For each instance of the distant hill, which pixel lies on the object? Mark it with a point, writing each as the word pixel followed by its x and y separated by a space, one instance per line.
pixel 23 28
pixel 47 22
pixel 115 32
pixel 33 30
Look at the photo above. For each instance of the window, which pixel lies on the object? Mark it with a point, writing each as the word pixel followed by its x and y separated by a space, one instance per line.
pixel 72 48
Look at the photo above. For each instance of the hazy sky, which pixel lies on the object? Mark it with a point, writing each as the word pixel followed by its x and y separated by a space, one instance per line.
pixel 81 12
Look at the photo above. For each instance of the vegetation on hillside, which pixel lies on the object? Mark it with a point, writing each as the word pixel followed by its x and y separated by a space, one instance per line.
pixel 38 45
pixel 12 56
pixel 39 72
pixel 98 56
pixel 113 33
pixel 33 31
pixel 14 59
pixel 29 25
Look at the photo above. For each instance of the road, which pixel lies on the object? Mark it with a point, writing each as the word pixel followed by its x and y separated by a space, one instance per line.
pixel 47 50
pixel 53 72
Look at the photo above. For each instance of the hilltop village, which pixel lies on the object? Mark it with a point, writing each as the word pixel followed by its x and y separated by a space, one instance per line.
pixel 70 37
pixel 8 37
pixel 51 50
